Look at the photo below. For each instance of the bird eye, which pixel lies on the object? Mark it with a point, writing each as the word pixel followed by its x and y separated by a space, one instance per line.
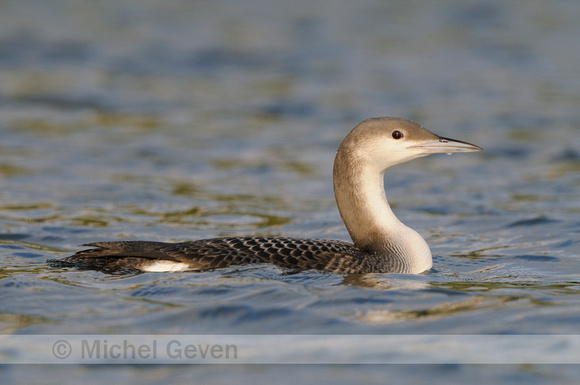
pixel 397 134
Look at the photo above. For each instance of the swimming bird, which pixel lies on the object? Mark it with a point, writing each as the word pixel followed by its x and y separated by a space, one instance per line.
pixel 381 242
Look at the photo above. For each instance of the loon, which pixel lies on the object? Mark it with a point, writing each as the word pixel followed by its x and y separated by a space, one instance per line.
pixel 381 242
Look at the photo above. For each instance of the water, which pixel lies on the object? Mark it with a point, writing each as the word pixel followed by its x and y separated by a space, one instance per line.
pixel 182 120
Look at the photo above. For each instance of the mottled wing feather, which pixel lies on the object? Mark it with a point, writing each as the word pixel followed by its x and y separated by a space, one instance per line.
pixel 293 253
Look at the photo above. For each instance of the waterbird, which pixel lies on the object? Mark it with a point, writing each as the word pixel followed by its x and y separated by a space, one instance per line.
pixel 381 242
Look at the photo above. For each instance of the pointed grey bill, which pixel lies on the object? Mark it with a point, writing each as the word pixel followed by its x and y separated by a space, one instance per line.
pixel 446 145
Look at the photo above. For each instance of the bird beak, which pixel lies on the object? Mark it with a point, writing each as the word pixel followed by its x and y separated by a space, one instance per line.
pixel 446 145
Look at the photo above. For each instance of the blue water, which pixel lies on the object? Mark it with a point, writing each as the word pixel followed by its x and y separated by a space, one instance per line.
pixel 183 120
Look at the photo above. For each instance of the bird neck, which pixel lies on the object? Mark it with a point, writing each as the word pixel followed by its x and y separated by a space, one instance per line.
pixel 372 225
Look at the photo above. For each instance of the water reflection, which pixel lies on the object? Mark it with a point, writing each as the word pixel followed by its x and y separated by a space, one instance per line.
pixel 386 282
pixel 439 311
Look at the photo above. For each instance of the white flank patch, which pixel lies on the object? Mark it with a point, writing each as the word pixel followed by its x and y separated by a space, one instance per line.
pixel 165 266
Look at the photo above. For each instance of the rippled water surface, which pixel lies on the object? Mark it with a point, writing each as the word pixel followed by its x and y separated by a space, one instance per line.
pixel 181 120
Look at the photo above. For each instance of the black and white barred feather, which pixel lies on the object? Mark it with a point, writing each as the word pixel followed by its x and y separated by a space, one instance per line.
pixel 213 253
